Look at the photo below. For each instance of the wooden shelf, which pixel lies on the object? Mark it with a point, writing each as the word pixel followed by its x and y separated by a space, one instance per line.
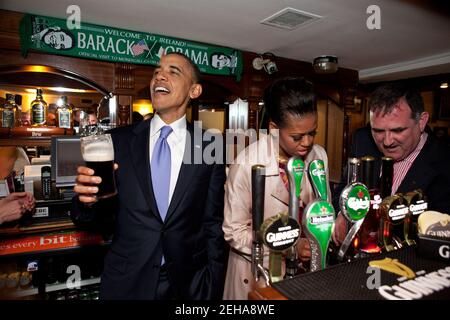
pixel 31 136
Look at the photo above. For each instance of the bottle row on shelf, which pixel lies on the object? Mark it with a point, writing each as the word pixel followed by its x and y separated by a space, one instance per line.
pixel 23 277
pixel 38 114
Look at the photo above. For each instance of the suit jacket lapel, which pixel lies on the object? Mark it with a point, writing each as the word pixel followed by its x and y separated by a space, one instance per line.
pixel 139 152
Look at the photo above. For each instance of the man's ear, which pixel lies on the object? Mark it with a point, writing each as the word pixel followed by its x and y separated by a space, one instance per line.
pixel 423 120
pixel 196 91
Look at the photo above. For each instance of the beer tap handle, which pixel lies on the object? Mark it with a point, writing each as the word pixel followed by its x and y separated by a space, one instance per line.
pixel 258 189
pixel 354 203
pixel 295 169
pixel 348 239
pixel 318 177
pixel 265 273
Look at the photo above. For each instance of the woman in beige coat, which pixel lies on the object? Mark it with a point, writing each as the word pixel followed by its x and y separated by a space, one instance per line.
pixel 291 107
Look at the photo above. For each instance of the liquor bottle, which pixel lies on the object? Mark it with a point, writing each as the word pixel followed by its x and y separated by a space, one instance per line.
pixel 10 117
pixel 353 170
pixel 64 117
pixel 38 109
pixel 387 174
pixel 368 233
pixel 12 281
pixel 18 100
pixel 1 114
pixel 391 227
pixel 25 279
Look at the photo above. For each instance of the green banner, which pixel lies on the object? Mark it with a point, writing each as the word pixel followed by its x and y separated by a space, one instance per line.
pixel 96 42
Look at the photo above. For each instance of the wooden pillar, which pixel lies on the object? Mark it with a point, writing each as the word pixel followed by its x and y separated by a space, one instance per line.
pixel 347 101
pixel 124 88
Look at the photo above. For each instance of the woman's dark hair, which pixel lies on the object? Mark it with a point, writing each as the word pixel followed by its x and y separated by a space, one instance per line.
pixel 289 96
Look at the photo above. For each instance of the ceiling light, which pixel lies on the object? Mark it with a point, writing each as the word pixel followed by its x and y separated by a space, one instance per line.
pixel 325 64
pixel 444 85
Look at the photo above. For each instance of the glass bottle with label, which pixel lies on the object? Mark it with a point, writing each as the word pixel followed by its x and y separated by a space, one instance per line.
pixel 39 109
pixel 387 175
pixel 64 114
pixel 9 112
pixel 368 234
pixel 18 100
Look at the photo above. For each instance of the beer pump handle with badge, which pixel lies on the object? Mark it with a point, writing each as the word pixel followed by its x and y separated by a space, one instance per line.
pixel 354 202
pixel 417 204
pixel 318 216
pixel 295 169
pixel 280 232
pixel 258 190
pixel 393 212
pixel 318 177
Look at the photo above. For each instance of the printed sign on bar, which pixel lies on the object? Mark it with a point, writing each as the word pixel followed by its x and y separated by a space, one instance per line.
pixel 96 42
pixel 48 242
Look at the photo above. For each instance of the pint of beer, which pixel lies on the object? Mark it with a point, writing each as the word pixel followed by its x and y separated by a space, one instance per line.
pixel 98 152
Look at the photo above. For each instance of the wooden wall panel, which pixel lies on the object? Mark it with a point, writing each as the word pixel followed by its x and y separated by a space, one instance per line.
pixel 335 130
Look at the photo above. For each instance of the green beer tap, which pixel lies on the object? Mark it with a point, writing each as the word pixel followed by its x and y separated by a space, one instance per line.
pixel 318 216
pixel 354 203
pixel 318 225
pixel 318 177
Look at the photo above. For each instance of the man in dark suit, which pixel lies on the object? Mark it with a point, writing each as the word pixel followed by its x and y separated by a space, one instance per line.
pixel 171 249
pixel 397 129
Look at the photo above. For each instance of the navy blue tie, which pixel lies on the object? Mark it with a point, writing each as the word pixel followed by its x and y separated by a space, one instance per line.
pixel 160 166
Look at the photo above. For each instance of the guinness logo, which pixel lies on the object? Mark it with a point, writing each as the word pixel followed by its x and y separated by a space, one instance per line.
pixel 393 266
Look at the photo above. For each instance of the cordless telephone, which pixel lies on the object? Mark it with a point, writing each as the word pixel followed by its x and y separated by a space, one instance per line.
pixel 46 182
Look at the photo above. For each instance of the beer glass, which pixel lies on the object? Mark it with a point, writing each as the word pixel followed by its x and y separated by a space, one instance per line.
pixel 98 153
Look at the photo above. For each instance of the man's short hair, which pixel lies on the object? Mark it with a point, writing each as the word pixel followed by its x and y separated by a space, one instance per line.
pixel 196 75
pixel 386 97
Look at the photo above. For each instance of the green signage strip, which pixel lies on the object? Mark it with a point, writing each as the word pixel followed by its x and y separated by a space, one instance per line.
pixel 96 42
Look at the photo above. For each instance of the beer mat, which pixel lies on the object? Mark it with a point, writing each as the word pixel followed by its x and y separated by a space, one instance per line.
pixel 353 280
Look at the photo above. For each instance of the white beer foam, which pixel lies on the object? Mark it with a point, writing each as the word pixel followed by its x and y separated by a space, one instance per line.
pixel 98 152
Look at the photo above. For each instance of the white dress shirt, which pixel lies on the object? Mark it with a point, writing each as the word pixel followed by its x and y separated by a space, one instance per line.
pixel 177 142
